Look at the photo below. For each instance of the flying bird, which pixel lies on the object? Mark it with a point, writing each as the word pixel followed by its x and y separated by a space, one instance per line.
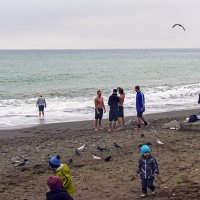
pixel 116 145
pixel 179 25
pixel 96 157
pixel 159 142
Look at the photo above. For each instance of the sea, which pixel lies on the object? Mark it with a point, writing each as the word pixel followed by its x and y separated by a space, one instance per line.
pixel 69 79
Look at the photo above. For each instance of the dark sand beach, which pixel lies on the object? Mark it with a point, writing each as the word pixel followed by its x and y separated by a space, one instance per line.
pixel 178 160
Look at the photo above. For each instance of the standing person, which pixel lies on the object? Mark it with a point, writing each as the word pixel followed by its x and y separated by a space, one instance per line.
pixel 121 107
pixel 140 106
pixel 57 190
pixel 114 110
pixel 99 108
pixel 147 169
pixel 41 103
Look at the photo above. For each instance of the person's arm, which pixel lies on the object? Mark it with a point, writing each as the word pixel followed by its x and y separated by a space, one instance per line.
pixel 109 101
pixel 139 167
pixel 155 166
pixel 103 104
pixel 45 104
pixel 37 102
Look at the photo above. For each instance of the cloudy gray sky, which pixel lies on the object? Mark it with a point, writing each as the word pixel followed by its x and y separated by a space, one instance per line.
pixel 74 24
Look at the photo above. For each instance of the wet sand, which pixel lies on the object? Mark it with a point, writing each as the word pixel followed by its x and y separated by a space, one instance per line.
pixel 178 160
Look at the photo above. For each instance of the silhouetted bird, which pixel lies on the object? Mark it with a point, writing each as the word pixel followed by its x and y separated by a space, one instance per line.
pixel 116 145
pixel 107 159
pixel 179 25
pixel 101 148
pixel 21 165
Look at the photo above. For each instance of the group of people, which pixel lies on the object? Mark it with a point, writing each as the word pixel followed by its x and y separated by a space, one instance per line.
pixel 61 185
pixel 116 112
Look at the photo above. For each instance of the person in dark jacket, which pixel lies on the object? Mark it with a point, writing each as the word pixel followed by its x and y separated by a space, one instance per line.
pixel 140 106
pixel 147 169
pixel 114 110
pixel 57 191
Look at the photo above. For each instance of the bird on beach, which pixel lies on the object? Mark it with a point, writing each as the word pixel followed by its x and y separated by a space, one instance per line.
pixel 159 142
pixel 109 158
pixel 21 165
pixel 79 149
pixel 101 148
pixel 178 25
pixel 116 145
pixel 96 157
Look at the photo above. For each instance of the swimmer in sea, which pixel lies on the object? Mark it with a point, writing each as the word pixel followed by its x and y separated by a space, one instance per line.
pixel 99 109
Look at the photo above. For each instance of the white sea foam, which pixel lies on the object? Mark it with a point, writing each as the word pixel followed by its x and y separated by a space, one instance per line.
pixel 23 112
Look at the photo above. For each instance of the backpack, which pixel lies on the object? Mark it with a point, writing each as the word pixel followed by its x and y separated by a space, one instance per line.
pixel 199 99
pixel 192 118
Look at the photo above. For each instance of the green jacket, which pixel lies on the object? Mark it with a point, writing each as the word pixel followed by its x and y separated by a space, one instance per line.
pixel 64 173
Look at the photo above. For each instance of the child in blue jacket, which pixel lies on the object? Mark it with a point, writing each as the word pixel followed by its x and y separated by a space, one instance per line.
pixel 147 169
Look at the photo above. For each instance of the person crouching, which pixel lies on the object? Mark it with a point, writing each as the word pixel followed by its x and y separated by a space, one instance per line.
pixel 147 169
pixel 57 190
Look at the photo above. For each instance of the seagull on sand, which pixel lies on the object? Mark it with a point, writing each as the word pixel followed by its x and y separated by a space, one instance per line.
pixel 78 150
pixel 159 142
pixel 96 157
pixel 179 25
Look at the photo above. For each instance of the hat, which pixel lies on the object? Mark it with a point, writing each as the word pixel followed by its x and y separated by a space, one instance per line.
pixel 145 149
pixel 55 161
pixel 54 183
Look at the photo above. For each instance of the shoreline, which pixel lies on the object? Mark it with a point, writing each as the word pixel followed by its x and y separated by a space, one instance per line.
pixel 90 123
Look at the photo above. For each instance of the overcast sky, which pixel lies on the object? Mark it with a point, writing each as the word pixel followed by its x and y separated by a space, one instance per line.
pixel 74 24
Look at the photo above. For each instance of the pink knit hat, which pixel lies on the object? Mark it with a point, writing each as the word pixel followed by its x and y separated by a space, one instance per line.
pixel 54 182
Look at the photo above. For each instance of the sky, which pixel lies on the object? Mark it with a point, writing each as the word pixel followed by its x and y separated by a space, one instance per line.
pixel 98 24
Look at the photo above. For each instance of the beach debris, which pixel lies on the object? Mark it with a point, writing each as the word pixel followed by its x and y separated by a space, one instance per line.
pixel 95 157
pixel 147 143
pixel 101 148
pixel 142 135
pixel 130 122
pixel 159 142
pixel 178 25
pixel 79 149
pixel 172 125
pixel 182 167
pixel 70 161
pixel 109 158
pixel 21 165
pixel 116 145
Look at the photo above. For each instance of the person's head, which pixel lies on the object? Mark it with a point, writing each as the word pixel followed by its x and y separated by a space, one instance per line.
pixel 99 93
pixel 115 91
pixel 145 150
pixel 137 88
pixel 54 183
pixel 121 91
pixel 40 95
pixel 54 162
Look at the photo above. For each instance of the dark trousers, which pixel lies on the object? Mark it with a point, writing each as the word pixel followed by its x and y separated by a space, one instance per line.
pixel 147 183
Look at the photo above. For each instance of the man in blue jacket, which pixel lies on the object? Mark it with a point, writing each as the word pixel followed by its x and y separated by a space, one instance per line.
pixel 140 106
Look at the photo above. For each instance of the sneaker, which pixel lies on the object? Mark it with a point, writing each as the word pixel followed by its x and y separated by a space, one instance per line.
pixel 143 195
pixel 153 192
pixel 145 123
